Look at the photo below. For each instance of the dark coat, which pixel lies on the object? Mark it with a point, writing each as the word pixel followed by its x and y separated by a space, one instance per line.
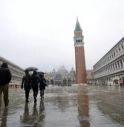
pixel 34 81
pixel 5 76
pixel 26 81
pixel 43 83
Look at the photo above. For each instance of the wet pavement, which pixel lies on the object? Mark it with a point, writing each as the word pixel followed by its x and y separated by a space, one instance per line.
pixel 75 106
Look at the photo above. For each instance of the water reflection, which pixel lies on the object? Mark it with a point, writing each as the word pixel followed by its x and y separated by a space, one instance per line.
pixel 4 118
pixel 59 98
pixel 36 119
pixel 111 103
pixel 83 107
pixel 41 112
pixel 61 102
pixel 26 114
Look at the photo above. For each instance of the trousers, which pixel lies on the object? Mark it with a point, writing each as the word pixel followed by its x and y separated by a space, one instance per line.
pixel 4 90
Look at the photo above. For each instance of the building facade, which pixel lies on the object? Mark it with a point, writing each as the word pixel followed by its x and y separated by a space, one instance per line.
pixel 17 72
pixel 61 77
pixel 89 76
pixel 110 68
pixel 79 54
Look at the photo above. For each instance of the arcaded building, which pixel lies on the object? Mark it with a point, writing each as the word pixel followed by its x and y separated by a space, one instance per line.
pixel 17 72
pixel 110 68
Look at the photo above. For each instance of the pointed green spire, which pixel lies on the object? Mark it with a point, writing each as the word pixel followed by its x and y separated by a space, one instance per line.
pixel 77 26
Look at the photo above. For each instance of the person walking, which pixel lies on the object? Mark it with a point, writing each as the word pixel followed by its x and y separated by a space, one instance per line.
pixel 42 85
pixel 26 83
pixel 5 78
pixel 34 85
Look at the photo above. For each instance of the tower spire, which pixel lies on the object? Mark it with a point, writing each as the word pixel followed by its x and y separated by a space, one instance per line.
pixel 77 26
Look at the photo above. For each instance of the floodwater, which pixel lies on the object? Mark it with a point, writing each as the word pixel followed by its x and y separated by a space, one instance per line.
pixel 74 106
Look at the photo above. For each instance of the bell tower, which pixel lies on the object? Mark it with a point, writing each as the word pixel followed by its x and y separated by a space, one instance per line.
pixel 79 54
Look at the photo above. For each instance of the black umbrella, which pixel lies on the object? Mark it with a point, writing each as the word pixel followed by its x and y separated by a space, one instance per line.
pixel 40 73
pixel 31 69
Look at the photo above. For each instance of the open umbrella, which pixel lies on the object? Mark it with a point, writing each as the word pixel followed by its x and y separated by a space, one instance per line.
pixel 40 73
pixel 31 69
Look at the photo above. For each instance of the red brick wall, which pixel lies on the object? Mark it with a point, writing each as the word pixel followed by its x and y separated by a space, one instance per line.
pixel 80 65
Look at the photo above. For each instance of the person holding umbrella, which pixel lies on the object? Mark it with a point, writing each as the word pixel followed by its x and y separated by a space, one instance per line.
pixel 42 85
pixel 26 83
pixel 34 84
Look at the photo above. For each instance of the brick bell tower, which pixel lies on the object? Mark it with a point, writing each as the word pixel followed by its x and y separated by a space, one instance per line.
pixel 79 54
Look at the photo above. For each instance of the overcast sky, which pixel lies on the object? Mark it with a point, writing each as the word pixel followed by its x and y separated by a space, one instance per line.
pixel 40 32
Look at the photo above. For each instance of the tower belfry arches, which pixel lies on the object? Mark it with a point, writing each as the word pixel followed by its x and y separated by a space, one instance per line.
pixel 79 54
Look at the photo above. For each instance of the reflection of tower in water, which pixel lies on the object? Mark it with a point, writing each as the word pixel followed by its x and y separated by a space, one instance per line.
pixel 83 107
